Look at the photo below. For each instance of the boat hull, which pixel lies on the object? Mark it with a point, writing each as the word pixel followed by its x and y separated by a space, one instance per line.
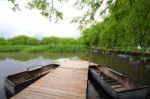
pixel 12 89
pixel 132 94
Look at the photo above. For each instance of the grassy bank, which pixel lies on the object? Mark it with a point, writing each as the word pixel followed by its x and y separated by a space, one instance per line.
pixel 44 48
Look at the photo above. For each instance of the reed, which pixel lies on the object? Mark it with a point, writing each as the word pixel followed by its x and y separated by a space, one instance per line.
pixel 44 48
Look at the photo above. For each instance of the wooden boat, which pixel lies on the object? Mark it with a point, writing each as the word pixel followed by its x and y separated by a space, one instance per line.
pixel 117 85
pixel 17 82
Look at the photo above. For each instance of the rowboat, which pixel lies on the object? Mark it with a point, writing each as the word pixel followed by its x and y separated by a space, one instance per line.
pixel 117 85
pixel 17 82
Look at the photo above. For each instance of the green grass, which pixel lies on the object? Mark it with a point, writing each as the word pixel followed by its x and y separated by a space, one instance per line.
pixel 12 48
pixel 44 48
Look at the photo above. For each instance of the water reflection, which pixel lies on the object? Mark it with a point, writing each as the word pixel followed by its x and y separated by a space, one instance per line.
pixel 11 63
pixel 29 56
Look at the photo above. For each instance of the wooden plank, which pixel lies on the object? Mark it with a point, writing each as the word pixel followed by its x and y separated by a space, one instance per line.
pixel 68 81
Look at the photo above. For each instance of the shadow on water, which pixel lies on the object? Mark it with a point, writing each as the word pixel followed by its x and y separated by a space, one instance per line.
pixel 11 63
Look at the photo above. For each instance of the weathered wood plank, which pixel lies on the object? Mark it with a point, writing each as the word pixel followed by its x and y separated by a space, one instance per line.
pixel 69 81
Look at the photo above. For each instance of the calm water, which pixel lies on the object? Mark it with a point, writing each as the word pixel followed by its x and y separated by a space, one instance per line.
pixel 11 63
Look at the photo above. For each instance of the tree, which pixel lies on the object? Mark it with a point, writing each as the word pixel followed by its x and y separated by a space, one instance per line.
pixel 51 40
pixel 59 41
pixel 23 40
pixel 131 21
pixel 32 41
pixel 125 28
pixel 91 35
pixel 3 41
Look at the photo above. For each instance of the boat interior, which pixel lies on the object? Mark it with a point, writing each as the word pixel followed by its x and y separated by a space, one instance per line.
pixel 31 73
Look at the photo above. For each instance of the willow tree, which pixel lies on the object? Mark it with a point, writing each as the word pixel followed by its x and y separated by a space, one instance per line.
pixel 126 26
pixel 130 19
pixel 90 35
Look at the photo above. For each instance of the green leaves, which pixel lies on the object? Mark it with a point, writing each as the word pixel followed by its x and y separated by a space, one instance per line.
pixel 46 9
pixel 15 5
pixel 3 41
pixel 60 41
pixel 126 28
pixel 23 40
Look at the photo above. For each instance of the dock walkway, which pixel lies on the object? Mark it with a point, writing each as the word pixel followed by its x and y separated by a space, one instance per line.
pixel 68 81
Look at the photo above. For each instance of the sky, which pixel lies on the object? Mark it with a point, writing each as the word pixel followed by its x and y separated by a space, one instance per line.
pixel 31 23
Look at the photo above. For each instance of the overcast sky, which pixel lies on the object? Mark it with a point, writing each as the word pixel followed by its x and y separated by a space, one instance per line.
pixel 31 23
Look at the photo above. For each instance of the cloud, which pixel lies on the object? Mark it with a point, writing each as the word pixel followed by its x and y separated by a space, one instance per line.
pixel 31 23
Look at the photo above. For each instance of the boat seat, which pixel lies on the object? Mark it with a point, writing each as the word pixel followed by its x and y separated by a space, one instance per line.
pixel 110 80
pixel 117 86
pixel 121 89
pixel 107 78
pixel 114 83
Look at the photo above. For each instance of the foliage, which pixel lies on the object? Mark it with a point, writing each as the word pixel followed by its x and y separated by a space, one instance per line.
pixel 3 41
pixel 15 5
pixel 11 48
pixel 90 36
pixel 50 40
pixel 39 48
pixel 26 40
pixel 57 48
pixel 24 43
pixel 23 40
pixel 47 9
pixel 44 48
pixel 125 23
pixel 60 41
pixel 127 27
pixel 93 9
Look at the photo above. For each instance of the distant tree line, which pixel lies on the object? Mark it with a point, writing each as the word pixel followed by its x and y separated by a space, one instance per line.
pixel 26 40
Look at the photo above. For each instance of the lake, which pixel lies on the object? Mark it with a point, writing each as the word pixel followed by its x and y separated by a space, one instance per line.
pixel 11 63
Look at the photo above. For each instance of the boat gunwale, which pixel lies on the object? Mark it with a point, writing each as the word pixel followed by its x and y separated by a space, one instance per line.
pixel 9 81
pixel 124 75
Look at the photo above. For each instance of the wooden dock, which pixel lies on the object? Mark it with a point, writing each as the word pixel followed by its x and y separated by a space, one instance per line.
pixel 68 81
